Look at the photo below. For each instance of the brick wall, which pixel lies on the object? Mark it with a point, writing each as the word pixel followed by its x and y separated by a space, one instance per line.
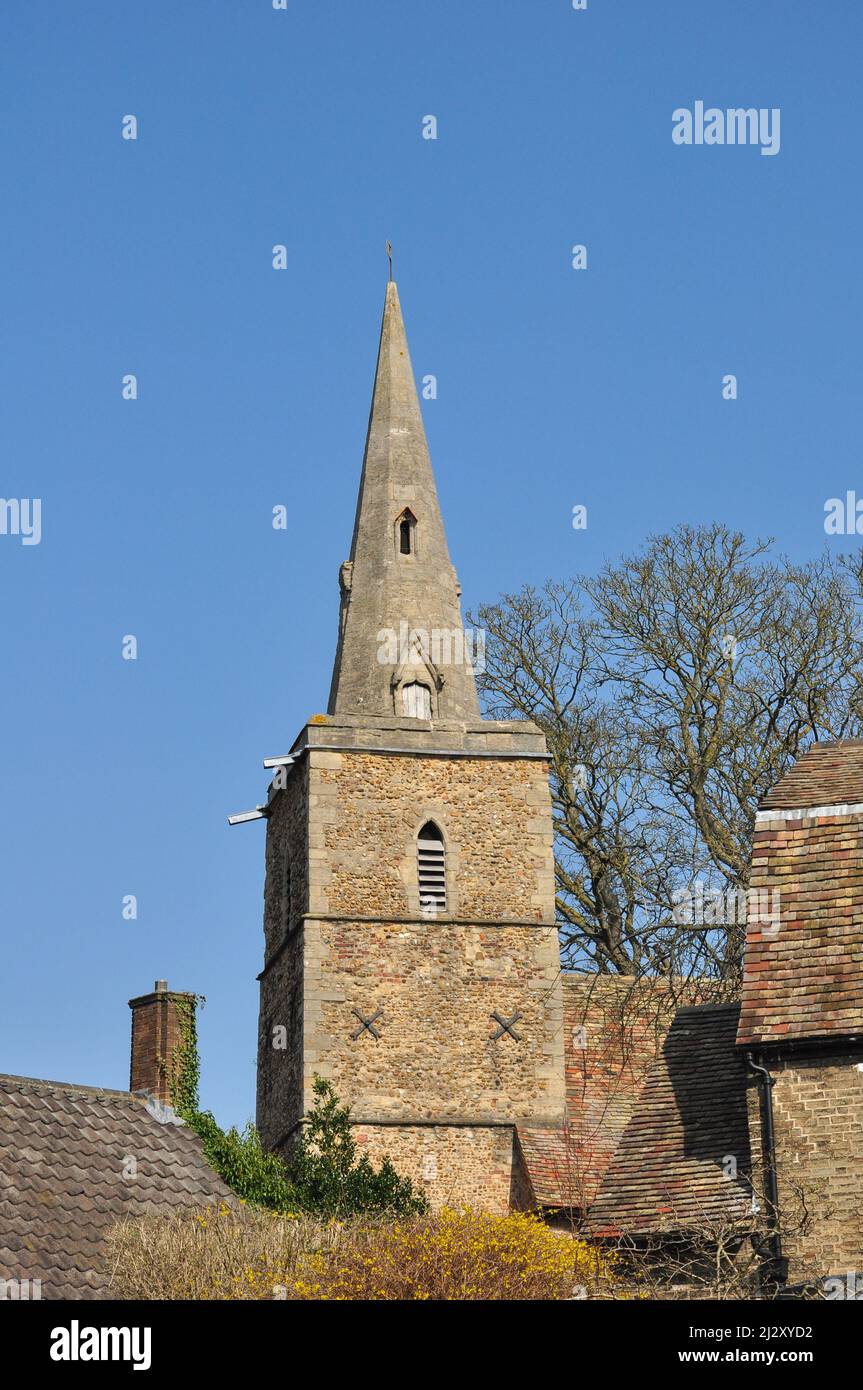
pixel 614 1028
pixel 818 1120
pixel 155 1037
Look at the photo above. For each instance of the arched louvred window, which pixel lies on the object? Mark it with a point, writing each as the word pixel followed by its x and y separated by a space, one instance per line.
pixel 416 701
pixel 431 868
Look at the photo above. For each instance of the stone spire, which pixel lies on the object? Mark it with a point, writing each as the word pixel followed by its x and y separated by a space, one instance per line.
pixel 402 649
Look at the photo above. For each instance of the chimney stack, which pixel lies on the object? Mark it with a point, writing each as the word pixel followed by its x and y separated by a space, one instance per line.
pixel 156 1035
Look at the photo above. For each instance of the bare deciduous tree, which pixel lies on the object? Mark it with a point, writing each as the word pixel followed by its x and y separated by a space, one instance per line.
pixel 715 1255
pixel 674 690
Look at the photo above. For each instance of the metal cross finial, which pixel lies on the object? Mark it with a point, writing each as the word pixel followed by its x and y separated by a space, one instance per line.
pixel 390 258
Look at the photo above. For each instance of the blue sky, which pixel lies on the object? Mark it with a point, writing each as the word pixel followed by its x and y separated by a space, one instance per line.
pixel 555 387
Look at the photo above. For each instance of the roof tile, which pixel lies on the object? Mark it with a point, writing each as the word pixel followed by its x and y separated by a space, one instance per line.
pixel 669 1171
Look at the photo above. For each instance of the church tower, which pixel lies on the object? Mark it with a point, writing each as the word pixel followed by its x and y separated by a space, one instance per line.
pixel 411 952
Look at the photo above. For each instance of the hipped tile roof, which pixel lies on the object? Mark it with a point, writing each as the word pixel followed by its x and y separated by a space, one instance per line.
pixel 613 1025
pixel 63 1153
pixel 827 774
pixel 804 980
pixel 669 1171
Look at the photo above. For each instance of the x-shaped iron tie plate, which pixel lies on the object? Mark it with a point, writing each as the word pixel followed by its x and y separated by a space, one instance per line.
pixel 506 1027
pixel 366 1024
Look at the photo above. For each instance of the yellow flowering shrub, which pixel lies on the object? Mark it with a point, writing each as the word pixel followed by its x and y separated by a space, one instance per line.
pixel 457 1255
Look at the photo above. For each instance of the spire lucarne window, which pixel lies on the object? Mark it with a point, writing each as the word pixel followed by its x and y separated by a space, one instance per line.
pixel 431 870
pixel 406 533
pixel 416 701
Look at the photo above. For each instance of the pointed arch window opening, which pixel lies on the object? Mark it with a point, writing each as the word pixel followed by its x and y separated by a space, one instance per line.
pixel 406 533
pixel 431 870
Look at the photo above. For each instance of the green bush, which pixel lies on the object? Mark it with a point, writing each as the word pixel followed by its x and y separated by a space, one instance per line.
pixel 328 1177
pixel 241 1162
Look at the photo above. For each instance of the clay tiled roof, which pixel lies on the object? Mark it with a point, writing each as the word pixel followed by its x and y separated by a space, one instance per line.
pixel 63 1154
pixel 828 774
pixel 546 1158
pixel 668 1173
pixel 804 980
pixel 613 1025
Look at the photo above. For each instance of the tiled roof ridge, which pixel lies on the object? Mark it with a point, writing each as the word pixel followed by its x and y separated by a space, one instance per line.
pixel 826 773
pixel 834 743
pixel 8 1082
pixel 709 1007
pixel 612 977
pixel 753 1040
